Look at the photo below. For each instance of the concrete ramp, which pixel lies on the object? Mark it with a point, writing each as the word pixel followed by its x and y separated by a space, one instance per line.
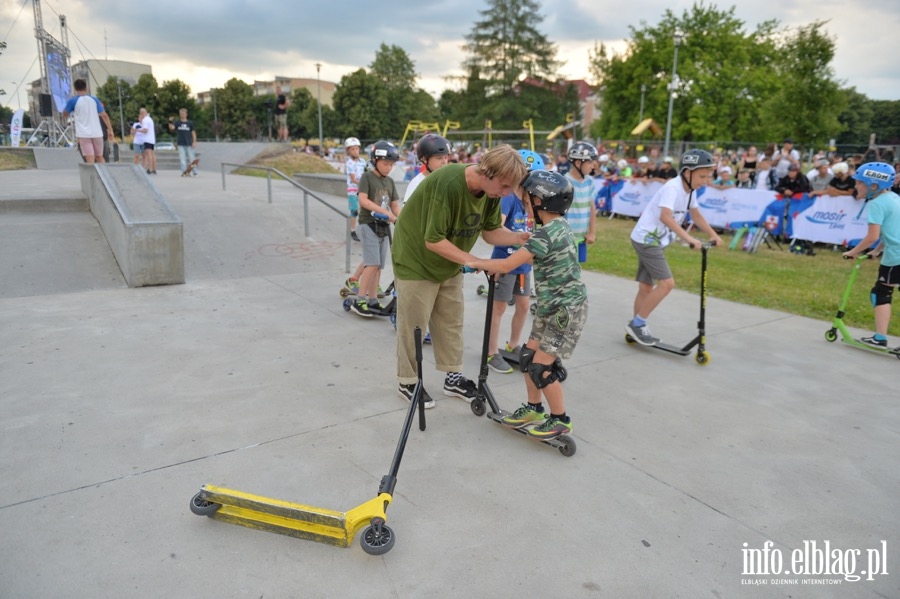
pixel 143 232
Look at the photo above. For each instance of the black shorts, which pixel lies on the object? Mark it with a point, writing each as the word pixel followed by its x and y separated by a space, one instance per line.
pixel 889 275
pixel 148 146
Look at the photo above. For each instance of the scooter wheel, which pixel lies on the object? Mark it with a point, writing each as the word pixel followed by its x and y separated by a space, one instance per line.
pixel 568 446
pixel 511 302
pixel 702 358
pixel 378 538
pixel 394 320
pixel 347 305
pixel 345 292
pixel 202 507
pixel 480 290
pixel 477 406
pixel 629 339
pixel 831 335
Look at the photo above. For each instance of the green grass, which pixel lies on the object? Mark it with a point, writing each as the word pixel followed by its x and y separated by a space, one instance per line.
pixel 16 159
pixel 809 286
pixel 288 162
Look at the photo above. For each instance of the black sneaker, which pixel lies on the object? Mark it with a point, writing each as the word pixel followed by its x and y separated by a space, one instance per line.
pixel 406 392
pixel 362 308
pixel 354 236
pixel 874 342
pixel 463 388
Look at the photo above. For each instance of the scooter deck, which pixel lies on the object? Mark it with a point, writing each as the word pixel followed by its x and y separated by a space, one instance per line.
pixel 564 443
pixel 294 519
pixel 880 350
pixel 681 351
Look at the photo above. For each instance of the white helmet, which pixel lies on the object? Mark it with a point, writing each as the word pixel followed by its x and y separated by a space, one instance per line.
pixel 604 158
pixel 351 142
pixel 840 167
pixel 643 160
pixel 622 164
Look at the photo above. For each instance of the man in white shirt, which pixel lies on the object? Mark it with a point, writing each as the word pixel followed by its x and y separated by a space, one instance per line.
pixel 87 112
pixel 148 129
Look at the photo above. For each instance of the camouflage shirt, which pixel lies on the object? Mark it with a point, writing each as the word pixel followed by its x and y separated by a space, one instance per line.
pixel 557 275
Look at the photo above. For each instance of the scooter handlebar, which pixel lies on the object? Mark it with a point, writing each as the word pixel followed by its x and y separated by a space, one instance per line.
pixel 467 270
pixel 705 245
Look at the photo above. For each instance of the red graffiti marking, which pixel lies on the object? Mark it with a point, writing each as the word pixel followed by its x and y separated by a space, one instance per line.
pixel 298 250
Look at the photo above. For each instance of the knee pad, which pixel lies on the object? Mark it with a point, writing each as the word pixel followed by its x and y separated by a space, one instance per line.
pixel 537 371
pixel 526 355
pixel 882 294
pixel 354 213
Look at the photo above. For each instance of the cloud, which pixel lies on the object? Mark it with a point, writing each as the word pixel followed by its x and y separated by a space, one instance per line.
pixel 205 42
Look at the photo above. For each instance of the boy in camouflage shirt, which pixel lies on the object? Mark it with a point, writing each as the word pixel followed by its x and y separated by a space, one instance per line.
pixel 561 303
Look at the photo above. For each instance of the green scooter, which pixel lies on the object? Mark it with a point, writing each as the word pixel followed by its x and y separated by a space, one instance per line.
pixel 838 323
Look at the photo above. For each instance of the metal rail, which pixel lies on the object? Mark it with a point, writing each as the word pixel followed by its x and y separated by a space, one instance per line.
pixel 306 193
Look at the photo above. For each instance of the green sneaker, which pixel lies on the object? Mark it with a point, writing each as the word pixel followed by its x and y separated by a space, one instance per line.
pixel 550 428
pixel 352 285
pixel 523 416
pixel 380 292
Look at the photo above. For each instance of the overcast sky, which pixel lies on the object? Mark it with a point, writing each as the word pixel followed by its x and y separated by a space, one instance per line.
pixel 206 42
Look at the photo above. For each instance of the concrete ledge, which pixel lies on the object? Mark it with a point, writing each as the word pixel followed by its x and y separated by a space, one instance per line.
pixel 336 185
pixel 144 233
pixel 44 205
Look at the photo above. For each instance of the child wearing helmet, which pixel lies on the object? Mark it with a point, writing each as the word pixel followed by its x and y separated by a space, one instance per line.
pixel 433 152
pixel 516 284
pixel 562 304
pixel 582 216
pixel 354 169
pixel 378 206
pixel 660 222
pixel 873 182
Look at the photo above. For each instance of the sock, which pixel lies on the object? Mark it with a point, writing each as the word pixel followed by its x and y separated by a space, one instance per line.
pixel 638 321
pixel 539 408
pixel 562 417
pixel 453 377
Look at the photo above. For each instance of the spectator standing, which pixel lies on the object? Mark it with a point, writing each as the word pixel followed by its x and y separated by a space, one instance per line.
pixel 842 184
pixel 280 111
pixel 743 179
pixel 138 144
pixel 148 129
pixel 87 112
pixel 665 171
pixel 820 180
pixel 794 183
pixel 562 163
pixel 787 157
pixel 582 215
pixel 354 169
pixel 765 176
pixel 185 140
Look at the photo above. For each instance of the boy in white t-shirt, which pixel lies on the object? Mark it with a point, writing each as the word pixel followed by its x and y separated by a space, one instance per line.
pixel 658 225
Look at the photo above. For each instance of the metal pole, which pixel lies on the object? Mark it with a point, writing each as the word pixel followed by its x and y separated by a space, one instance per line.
pixel 121 112
pixel 215 117
pixel 269 183
pixel 643 91
pixel 677 37
pixel 319 102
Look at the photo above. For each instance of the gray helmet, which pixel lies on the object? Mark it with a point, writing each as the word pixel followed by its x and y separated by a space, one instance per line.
pixel 694 159
pixel 430 145
pixel 582 150
pixel 555 190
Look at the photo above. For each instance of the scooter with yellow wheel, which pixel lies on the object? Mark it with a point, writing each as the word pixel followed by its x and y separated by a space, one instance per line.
pixel 699 341
pixel 837 325
pixel 313 523
pixel 485 398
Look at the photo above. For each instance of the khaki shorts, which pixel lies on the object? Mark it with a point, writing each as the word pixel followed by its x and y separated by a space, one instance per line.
pixel 281 120
pixel 558 334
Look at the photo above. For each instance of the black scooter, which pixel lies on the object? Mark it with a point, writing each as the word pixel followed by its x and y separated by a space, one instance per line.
pixel 564 443
pixel 699 341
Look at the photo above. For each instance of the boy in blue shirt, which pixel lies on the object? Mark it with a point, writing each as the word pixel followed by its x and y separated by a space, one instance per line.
pixel 873 182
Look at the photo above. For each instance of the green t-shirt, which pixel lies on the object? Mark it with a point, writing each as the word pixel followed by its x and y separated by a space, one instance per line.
pixel 380 190
pixel 557 274
pixel 440 208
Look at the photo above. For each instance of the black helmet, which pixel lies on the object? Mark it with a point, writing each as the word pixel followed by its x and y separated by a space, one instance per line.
pixel 582 150
pixel 430 145
pixel 554 190
pixel 384 150
pixel 694 159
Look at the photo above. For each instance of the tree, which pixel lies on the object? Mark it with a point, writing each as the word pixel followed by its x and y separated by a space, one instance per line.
pixel 362 100
pixel 506 47
pixel 856 118
pixel 397 72
pixel 235 107
pixel 173 96
pixel 108 94
pixel 2 48
pixel 298 125
pixel 807 100
pixel 723 72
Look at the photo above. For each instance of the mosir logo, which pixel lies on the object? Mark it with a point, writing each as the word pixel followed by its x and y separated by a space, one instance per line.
pixel 832 219
pixel 715 204
pixel 631 198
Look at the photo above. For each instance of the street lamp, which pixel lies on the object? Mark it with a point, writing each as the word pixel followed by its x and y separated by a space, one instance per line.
pixel 215 114
pixel 643 91
pixel 319 102
pixel 678 37
pixel 121 112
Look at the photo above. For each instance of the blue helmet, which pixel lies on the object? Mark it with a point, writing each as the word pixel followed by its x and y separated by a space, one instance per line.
pixel 533 160
pixel 880 174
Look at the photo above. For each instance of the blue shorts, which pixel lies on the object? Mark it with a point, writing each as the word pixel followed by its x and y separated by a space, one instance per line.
pixel 138 149
pixel 353 204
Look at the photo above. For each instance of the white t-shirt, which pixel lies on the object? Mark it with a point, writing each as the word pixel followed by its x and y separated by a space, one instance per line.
pixel 150 135
pixel 412 185
pixel 86 112
pixel 649 229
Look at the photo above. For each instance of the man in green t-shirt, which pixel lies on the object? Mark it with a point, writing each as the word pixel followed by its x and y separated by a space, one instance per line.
pixel 439 226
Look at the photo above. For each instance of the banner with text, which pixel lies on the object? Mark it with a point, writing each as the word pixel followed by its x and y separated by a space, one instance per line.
pixel 839 220
pixel 15 127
